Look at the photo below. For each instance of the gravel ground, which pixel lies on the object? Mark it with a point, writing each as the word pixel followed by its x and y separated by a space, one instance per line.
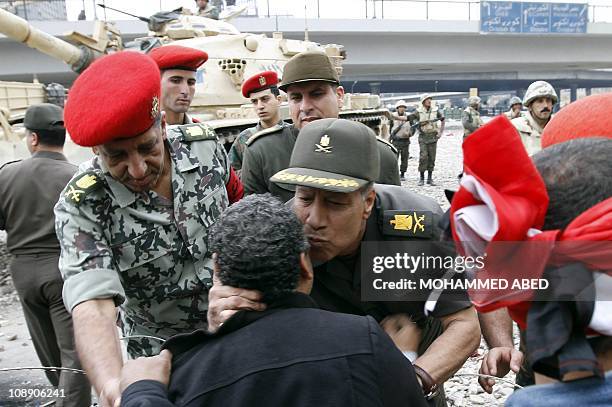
pixel 461 390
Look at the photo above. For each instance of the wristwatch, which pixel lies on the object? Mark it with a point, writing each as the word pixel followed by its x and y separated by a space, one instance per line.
pixel 430 387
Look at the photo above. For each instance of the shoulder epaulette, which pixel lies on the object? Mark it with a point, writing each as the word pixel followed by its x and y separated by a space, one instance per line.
pixel 197 132
pixel 391 146
pixel 417 224
pixel 264 132
pixel 81 186
pixel 8 162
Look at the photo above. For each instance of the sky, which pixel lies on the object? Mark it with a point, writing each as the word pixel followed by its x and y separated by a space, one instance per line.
pixel 397 9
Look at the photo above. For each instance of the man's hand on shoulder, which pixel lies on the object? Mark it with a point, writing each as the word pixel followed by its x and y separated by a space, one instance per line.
pixel 147 368
pixel 498 362
pixel 224 301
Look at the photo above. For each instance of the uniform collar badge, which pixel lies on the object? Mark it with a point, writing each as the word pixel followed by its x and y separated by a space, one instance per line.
pixel 323 146
pixel 411 223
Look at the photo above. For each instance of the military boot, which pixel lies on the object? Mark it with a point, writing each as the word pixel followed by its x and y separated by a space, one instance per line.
pixel 429 179
pixel 422 179
pixel 403 176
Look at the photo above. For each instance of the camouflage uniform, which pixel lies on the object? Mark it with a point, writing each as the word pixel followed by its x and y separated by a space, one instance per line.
pixel 530 131
pixel 148 253
pixel 428 136
pixel 470 118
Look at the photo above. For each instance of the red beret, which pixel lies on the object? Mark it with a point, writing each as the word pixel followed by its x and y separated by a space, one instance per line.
pixel 587 117
pixel 116 97
pixel 178 57
pixel 260 81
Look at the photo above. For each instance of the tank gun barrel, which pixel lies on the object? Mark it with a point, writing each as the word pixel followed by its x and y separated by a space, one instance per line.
pixel 20 30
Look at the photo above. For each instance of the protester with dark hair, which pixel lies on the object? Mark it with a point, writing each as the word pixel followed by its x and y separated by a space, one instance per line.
pixel 333 168
pixel 28 191
pixel 291 354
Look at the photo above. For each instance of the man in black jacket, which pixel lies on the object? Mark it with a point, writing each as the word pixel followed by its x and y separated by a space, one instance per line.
pixel 290 354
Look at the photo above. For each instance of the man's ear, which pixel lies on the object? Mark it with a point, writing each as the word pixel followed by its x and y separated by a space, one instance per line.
pixel 34 139
pixel 306 272
pixel 340 96
pixel 163 124
pixel 95 150
pixel 369 203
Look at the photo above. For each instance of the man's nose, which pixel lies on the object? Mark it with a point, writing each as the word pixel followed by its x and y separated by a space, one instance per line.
pixel 317 216
pixel 137 167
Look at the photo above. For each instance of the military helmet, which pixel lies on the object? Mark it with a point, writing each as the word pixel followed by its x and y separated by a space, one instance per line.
pixel 424 97
pixel 515 100
pixel 539 89
pixel 401 103
pixel 473 100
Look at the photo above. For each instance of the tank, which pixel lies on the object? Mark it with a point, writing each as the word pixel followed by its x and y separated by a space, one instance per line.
pixel 233 57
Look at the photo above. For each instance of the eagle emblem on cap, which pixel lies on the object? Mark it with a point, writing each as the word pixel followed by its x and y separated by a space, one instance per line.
pixel 262 81
pixel 323 145
pixel 154 107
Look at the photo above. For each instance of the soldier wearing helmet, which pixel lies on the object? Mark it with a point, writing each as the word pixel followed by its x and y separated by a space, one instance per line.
pixel 470 117
pixel 400 136
pixel 539 100
pixel 516 104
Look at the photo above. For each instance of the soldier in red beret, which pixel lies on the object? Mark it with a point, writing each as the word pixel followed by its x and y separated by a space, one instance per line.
pixel 178 66
pixel 133 222
pixel 263 92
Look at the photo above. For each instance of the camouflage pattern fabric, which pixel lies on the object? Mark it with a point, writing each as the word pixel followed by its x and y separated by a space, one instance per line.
pixel 148 253
pixel 471 121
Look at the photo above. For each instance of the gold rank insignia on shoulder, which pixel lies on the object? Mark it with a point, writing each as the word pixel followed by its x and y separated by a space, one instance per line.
pixel 323 145
pixel 262 81
pixel 408 223
pixel 197 131
pixel 81 186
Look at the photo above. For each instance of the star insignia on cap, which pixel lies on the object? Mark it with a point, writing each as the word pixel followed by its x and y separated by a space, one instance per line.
pixel 323 145
pixel 262 81
pixel 154 107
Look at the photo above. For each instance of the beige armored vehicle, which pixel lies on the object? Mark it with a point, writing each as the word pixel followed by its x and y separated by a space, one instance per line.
pixel 233 57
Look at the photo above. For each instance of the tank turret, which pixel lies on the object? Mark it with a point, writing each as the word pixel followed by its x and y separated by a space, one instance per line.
pixel 233 57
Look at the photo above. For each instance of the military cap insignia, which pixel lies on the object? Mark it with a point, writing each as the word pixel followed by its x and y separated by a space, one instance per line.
pixel 154 107
pixel 323 145
pixel 78 188
pixel 197 132
pixel 262 81
pixel 408 223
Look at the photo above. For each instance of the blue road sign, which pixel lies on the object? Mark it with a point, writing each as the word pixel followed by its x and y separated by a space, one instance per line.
pixel 533 18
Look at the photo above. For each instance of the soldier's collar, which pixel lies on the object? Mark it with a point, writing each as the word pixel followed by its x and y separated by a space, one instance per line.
pixel 180 154
pixel 122 194
pixel 49 154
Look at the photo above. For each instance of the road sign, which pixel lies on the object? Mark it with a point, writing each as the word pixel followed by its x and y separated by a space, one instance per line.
pixel 532 18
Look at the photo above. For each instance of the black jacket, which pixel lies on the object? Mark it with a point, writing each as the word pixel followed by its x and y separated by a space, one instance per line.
pixel 289 355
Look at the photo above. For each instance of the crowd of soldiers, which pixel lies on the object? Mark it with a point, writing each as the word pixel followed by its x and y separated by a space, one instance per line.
pixel 235 279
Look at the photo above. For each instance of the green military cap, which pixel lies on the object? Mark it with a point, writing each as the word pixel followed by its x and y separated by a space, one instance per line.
pixel 332 154
pixel 44 116
pixel 309 66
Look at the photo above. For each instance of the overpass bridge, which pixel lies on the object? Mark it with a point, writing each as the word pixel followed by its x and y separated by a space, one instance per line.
pixel 393 55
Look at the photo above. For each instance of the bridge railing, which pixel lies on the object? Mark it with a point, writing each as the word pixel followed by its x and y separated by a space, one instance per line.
pixel 461 10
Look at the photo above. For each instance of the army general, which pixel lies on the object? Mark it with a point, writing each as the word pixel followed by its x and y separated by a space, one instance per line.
pixel 133 222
